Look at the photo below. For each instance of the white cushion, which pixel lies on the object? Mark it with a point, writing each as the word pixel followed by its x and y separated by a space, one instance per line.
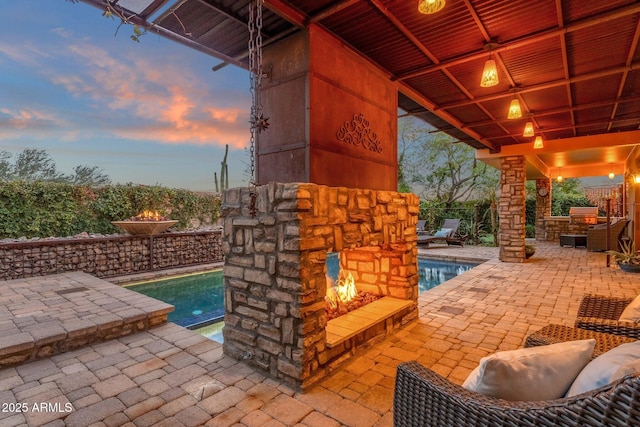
pixel 632 312
pixel 443 232
pixel 536 373
pixel 608 367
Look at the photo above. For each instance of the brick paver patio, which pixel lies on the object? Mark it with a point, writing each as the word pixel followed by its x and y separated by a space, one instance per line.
pixel 170 376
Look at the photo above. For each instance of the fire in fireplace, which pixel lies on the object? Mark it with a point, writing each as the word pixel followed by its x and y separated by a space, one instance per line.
pixel 343 296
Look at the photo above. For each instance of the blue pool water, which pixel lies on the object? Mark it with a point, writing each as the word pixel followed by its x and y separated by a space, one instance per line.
pixel 199 298
pixel 432 272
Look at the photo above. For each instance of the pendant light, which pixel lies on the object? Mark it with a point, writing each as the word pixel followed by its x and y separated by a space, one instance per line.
pixel 430 6
pixel 559 178
pixel 490 72
pixel 528 130
pixel 538 142
pixel 611 174
pixel 514 109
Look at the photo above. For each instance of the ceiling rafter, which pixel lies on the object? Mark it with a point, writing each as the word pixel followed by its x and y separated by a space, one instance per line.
pixel 565 60
pixel 547 85
pixel 527 40
pixel 623 80
pixel 543 113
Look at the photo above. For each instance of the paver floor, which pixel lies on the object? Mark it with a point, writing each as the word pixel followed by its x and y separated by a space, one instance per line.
pixel 170 376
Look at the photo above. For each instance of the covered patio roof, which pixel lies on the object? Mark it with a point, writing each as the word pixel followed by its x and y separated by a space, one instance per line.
pixel 574 65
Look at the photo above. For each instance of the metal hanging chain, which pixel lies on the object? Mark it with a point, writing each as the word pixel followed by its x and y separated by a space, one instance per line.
pixel 257 121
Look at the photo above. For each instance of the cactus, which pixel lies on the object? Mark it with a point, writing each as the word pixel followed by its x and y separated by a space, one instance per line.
pixel 224 172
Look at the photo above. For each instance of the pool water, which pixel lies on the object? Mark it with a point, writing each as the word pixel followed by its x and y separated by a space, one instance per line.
pixel 199 298
pixel 432 272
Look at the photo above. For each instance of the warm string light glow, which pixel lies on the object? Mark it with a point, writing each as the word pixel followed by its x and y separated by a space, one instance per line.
pixel 528 130
pixel 538 142
pixel 514 109
pixel 430 6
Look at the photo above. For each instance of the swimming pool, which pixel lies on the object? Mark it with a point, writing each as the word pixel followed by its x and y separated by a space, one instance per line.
pixel 199 298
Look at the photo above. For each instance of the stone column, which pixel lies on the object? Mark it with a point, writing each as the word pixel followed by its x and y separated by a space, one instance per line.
pixel 543 206
pixel 511 208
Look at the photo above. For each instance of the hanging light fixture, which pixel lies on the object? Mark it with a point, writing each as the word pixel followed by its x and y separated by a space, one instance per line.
pixel 514 109
pixel 430 6
pixel 611 174
pixel 538 142
pixel 490 72
pixel 559 178
pixel 528 130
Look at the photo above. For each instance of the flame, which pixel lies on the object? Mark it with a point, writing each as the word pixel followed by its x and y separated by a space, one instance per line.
pixel 149 216
pixel 344 291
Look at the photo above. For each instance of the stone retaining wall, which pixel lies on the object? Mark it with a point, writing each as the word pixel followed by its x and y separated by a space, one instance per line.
pixel 109 256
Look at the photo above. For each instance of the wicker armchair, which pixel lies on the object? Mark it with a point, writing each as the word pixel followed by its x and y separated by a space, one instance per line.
pixel 424 398
pixel 597 235
pixel 601 313
pixel 553 334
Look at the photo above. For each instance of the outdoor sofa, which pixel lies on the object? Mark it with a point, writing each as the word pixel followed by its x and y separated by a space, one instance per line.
pixel 422 397
pixel 597 235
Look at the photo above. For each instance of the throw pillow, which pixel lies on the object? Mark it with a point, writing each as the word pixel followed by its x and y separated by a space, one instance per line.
pixel 607 367
pixel 443 232
pixel 631 312
pixel 535 373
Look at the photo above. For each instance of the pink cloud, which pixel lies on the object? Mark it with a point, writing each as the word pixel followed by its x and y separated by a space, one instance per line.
pixel 171 104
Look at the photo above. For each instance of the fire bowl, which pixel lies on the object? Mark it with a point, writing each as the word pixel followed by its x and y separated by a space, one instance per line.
pixel 144 227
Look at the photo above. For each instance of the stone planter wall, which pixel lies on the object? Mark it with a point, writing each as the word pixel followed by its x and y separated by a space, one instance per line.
pixel 109 256
pixel 275 284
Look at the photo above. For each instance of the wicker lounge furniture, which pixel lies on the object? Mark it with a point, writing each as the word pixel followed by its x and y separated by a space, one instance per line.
pixel 425 398
pixel 597 235
pixel 601 313
pixel 448 233
pixel 552 334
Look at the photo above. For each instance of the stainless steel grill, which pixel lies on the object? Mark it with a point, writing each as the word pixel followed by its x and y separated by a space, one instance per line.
pixel 583 215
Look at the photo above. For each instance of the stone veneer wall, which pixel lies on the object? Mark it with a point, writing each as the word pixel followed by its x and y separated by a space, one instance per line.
pixel 543 207
pixel 275 269
pixel 109 256
pixel 512 209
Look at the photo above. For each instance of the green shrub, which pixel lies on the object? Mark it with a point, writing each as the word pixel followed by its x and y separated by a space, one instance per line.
pixel 44 209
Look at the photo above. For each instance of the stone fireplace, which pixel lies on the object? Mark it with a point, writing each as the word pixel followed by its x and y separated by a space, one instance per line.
pixel 275 274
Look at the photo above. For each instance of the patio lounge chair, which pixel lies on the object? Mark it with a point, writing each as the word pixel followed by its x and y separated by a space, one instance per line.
pixel 448 234
pixel 597 235
pixel 601 313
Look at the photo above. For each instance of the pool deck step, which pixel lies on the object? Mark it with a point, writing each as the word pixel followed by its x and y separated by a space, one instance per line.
pixel 46 315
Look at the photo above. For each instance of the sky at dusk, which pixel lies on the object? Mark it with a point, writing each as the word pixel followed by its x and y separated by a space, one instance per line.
pixel 149 113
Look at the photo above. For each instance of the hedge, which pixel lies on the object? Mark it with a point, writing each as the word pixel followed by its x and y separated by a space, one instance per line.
pixel 48 209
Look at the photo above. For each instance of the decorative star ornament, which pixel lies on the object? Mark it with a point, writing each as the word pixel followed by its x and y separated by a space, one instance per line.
pixel 260 123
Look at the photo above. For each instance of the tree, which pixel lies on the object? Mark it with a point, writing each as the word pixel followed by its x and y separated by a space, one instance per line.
pixel 440 169
pixel 34 164
pixel 90 176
